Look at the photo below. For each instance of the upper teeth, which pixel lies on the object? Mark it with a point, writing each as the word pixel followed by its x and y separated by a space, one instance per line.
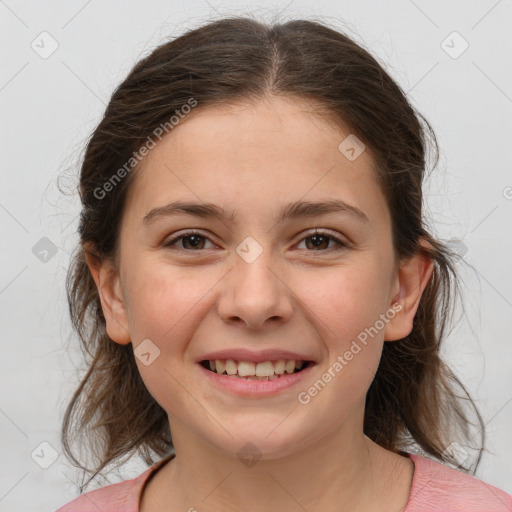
pixel 248 368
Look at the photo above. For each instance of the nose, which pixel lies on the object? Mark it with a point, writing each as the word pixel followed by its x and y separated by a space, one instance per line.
pixel 254 293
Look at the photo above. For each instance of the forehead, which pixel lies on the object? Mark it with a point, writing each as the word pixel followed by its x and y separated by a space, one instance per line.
pixel 254 157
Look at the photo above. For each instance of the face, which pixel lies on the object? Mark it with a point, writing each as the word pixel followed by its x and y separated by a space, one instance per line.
pixel 248 280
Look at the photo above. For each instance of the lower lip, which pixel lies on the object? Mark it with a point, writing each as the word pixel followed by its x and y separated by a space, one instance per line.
pixel 249 387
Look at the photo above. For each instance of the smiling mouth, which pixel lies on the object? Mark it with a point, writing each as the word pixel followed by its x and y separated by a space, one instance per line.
pixel 268 370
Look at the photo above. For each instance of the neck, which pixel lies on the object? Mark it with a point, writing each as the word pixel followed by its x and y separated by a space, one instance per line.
pixel 344 472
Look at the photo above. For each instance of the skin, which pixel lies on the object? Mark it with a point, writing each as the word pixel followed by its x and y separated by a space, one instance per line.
pixel 255 158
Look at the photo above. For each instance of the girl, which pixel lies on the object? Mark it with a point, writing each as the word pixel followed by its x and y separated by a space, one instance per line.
pixel 261 301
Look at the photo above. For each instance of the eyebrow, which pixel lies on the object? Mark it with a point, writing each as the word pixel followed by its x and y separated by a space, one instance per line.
pixel 295 210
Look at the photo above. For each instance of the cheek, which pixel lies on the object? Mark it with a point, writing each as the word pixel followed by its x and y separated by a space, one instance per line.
pixel 347 305
pixel 164 300
pixel 165 307
pixel 346 301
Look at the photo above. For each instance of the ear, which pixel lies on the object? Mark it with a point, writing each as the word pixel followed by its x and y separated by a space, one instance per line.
pixel 109 289
pixel 413 276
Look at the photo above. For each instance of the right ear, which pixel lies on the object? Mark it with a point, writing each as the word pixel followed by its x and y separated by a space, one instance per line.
pixel 109 289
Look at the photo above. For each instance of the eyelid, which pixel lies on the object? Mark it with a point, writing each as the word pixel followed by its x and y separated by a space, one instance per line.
pixel 341 242
pixel 190 232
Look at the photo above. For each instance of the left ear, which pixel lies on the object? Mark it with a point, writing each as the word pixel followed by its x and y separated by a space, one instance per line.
pixel 412 278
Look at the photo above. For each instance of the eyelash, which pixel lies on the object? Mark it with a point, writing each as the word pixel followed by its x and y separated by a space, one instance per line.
pixel 341 245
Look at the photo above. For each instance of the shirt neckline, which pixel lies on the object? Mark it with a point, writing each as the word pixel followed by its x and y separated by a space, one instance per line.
pixel 417 477
pixel 420 471
pixel 148 474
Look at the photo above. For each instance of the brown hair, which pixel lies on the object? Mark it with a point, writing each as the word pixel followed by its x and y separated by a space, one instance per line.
pixel 412 400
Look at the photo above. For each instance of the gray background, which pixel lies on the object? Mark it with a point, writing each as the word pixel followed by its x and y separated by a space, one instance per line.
pixel 50 105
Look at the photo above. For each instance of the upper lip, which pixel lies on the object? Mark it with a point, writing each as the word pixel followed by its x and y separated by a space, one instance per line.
pixel 261 356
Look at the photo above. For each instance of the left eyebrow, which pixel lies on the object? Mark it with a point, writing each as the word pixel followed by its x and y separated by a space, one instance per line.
pixel 297 209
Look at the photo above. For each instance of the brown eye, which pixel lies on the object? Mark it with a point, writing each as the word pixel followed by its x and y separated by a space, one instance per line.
pixel 190 241
pixel 319 241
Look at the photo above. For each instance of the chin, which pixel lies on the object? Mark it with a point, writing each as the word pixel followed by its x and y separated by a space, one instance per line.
pixel 260 442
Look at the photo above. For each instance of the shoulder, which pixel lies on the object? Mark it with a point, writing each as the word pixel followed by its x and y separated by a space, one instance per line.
pixel 437 487
pixel 120 497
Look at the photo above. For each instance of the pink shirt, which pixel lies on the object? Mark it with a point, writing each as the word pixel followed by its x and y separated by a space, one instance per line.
pixel 435 488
